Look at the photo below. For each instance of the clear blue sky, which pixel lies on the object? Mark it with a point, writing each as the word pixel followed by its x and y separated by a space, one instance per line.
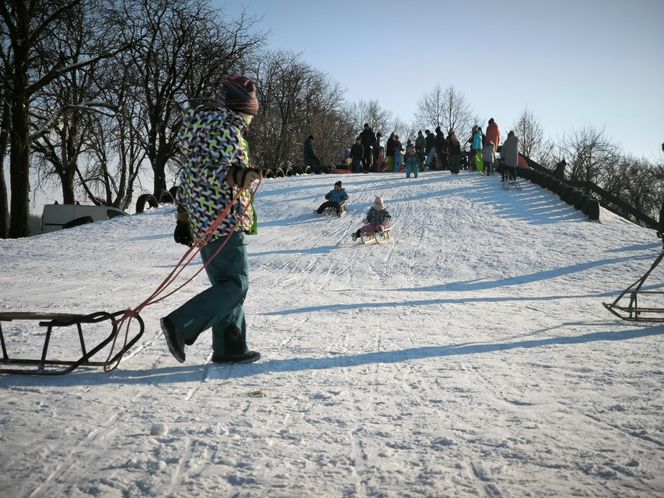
pixel 571 63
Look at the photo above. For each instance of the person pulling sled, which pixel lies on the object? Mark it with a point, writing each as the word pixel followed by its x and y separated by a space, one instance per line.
pixel 215 171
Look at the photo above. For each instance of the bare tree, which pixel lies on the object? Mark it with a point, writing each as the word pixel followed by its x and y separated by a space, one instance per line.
pixel 447 109
pixel 185 52
pixel 114 156
pixel 591 155
pixel 30 27
pixel 401 128
pixel 530 133
pixel 62 109
pixel 296 100
pixel 372 113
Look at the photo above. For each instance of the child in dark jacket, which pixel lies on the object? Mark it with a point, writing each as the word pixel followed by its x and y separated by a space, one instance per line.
pixel 335 200
pixel 377 219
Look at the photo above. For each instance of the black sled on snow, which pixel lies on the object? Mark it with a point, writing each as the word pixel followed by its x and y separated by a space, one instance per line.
pixel 103 354
pixel 635 304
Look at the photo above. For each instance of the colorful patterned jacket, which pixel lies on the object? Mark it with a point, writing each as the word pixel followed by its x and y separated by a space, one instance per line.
pixel 211 141
pixel 378 216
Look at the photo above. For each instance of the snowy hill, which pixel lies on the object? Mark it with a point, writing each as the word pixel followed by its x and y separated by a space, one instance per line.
pixel 471 356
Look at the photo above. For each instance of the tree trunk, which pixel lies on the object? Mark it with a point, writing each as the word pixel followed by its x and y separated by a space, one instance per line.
pixel 4 200
pixel 19 156
pixel 19 167
pixel 159 169
pixel 67 181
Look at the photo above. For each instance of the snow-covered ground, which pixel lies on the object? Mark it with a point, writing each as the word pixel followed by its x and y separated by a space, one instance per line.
pixel 471 356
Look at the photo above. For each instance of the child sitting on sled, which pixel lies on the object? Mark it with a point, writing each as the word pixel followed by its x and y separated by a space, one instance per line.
pixel 336 199
pixel 377 220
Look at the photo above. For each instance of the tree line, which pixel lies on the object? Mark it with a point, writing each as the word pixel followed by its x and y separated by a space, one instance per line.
pixel 92 94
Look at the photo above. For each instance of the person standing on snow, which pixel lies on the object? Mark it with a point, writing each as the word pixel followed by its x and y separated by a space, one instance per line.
pixel 368 139
pixel 310 158
pixel 411 161
pixel 454 148
pixel 420 146
pixel 493 135
pixel 476 149
pixel 215 168
pixel 357 156
pixel 509 153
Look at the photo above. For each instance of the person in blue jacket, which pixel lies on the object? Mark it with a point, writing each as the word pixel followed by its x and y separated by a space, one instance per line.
pixel 335 200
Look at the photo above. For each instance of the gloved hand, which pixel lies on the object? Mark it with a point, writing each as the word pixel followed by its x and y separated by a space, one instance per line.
pixel 242 177
pixel 182 234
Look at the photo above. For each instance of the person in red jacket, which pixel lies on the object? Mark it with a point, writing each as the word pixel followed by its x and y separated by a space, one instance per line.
pixel 493 134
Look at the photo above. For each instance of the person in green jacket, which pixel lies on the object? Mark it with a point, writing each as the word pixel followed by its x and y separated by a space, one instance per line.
pixel 215 171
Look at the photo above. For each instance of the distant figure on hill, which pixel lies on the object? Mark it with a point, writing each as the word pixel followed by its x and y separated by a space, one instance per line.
pixel 488 157
pixel 420 147
pixel 356 156
pixel 412 162
pixel 493 135
pixel 368 139
pixel 310 158
pixel 378 154
pixel 454 150
pixel 389 152
pixel 476 148
pixel 398 149
pixel 429 143
pixel 509 154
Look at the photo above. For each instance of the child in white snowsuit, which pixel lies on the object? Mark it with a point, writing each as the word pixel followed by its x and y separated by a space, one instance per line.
pixel 377 219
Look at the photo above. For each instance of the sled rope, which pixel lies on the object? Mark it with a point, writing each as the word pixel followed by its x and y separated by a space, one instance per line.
pixel 185 260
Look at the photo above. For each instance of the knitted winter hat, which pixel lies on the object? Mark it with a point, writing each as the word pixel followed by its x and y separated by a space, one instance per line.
pixel 239 94
pixel 378 203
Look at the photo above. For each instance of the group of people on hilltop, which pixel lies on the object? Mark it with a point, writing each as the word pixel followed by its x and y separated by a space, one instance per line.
pixel 430 150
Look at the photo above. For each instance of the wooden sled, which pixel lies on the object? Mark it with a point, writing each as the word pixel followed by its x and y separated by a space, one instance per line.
pixel 377 237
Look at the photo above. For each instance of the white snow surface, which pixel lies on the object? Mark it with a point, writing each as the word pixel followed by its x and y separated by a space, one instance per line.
pixel 470 356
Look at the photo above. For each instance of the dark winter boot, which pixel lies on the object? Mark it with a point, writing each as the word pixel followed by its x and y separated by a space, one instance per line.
pixel 173 339
pixel 233 341
pixel 248 357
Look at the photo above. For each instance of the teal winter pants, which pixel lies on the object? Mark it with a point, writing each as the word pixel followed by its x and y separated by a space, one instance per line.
pixel 220 306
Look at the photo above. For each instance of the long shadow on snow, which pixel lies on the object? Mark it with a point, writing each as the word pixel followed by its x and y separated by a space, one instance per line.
pixel 301 364
pixel 429 302
pixel 196 373
pixel 473 285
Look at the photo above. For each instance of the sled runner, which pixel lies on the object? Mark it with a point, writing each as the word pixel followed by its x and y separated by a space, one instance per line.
pixel 45 365
pixel 629 304
pixel 379 237
pixel 333 212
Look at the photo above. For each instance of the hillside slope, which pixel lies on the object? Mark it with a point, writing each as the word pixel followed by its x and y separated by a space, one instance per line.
pixel 471 356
